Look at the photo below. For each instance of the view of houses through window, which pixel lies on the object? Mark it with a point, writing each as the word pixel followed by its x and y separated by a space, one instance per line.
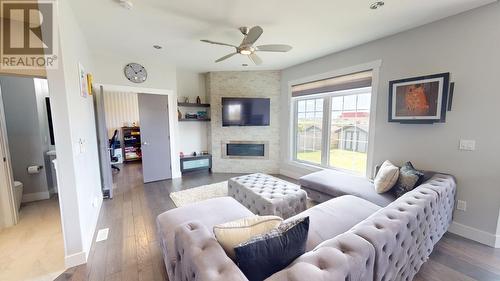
pixel 347 135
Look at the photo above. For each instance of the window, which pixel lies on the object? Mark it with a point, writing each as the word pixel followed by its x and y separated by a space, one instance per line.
pixel 332 127
pixel 309 128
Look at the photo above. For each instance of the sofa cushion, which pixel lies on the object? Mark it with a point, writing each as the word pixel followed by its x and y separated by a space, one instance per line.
pixel 231 234
pixel 387 177
pixel 271 252
pixel 335 184
pixel 210 212
pixel 334 217
pixel 408 179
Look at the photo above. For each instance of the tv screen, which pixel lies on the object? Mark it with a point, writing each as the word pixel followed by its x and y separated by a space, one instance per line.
pixel 245 111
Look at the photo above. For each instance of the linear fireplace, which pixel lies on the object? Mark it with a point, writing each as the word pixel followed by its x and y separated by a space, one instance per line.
pixel 245 149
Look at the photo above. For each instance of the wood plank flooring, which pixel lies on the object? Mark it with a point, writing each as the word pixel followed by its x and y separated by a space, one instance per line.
pixel 131 251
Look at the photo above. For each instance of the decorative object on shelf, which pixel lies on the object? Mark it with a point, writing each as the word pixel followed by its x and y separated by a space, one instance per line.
pixel 181 154
pixel 179 114
pixel 194 154
pixel 419 100
pixel 202 114
pixel 135 72
pixel 190 115
pixel 198 100
pixel 204 153
pixel 186 99
pixel 84 86
pixel 90 80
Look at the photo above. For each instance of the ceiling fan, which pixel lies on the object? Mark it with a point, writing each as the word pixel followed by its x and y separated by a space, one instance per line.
pixel 247 47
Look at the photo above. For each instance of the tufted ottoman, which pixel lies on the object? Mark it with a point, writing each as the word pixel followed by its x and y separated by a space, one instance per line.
pixel 266 195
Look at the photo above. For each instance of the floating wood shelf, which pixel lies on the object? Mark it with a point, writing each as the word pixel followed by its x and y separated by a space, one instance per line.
pixel 193 119
pixel 190 104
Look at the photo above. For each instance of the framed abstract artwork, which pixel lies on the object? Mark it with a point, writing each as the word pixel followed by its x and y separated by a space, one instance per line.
pixel 84 86
pixel 419 100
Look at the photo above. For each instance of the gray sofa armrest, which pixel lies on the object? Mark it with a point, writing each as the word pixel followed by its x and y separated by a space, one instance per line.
pixel 345 257
pixel 200 257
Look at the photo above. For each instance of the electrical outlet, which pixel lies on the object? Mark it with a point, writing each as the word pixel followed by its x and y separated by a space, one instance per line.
pixel 469 145
pixel 462 205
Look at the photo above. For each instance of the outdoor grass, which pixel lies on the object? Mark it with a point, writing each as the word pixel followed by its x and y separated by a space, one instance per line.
pixel 349 160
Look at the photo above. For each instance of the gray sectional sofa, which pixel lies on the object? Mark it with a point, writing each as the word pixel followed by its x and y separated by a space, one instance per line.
pixel 350 238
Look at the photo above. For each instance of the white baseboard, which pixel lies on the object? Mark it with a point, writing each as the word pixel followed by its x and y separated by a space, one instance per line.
pixel 75 259
pixel 475 234
pixel 35 196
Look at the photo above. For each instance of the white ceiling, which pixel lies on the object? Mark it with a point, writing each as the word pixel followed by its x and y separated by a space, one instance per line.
pixel 314 28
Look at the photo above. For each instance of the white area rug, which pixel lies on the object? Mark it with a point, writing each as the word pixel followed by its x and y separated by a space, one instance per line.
pixel 200 193
pixel 204 192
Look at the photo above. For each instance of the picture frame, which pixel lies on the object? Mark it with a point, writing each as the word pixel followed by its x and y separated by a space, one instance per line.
pixel 84 86
pixel 419 100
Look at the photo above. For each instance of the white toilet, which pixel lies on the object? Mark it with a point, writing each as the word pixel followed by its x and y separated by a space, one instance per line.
pixel 18 193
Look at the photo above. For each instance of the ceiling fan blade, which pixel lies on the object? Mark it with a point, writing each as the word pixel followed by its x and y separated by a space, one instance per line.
pixel 255 59
pixel 252 36
pixel 274 48
pixel 225 57
pixel 218 43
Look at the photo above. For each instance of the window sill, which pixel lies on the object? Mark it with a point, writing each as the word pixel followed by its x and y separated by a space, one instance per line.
pixel 317 167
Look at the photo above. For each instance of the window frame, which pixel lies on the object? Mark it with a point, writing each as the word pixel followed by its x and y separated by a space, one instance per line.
pixel 326 134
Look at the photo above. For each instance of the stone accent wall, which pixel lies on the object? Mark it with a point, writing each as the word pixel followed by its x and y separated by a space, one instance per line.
pixel 263 84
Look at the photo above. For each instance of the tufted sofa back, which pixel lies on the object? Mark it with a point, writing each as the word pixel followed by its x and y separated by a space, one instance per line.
pixel 404 233
pixel 345 257
pixel 390 245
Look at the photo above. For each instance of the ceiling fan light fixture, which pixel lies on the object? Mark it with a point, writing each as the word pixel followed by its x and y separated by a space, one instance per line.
pixel 245 52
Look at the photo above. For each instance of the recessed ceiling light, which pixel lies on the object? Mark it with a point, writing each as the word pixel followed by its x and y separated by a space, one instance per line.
pixel 158 47
pixel 376 5
pixel 244 64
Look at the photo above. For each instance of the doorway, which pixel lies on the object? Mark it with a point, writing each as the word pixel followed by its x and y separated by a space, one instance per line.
pixel 32 242
pixel 134 136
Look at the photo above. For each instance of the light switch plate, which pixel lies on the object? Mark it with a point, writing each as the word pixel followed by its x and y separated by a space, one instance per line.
pixel 462 205
pixel 469 145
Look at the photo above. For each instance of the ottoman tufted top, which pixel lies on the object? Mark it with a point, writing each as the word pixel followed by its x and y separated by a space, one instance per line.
pixel 267 187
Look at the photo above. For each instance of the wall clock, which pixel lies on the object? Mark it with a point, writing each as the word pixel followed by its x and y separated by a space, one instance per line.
pixel 135 72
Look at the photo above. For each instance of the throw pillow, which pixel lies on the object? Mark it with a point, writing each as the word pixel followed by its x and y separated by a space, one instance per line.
pixel 230 234
pixel 387 177
pixel 408 179
pixel 265 254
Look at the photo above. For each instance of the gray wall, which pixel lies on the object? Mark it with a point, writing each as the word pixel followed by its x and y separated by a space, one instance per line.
pixel 466 45
pixel 264 84
pixel 194 135
pixel 23 130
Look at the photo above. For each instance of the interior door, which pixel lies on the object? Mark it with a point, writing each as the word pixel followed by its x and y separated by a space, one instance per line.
pixel 155 137
pixel 103 140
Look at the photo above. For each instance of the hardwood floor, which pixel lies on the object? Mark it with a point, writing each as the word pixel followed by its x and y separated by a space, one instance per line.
pixel 131 251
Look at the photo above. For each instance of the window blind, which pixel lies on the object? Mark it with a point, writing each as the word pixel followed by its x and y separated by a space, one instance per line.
pixel 339 83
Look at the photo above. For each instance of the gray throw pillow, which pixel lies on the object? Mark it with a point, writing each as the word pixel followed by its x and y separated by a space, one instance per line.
pixel 409 178
pixel 265 254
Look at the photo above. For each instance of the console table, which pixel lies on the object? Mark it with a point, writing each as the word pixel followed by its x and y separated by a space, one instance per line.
pixel 196 163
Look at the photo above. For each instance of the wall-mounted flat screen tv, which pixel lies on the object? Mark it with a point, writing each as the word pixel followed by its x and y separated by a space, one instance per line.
pixel 246 111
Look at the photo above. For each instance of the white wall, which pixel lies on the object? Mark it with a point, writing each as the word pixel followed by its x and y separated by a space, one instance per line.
pixel 467 46
pixel 194 135
pixel 109 70
pixel 79 180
